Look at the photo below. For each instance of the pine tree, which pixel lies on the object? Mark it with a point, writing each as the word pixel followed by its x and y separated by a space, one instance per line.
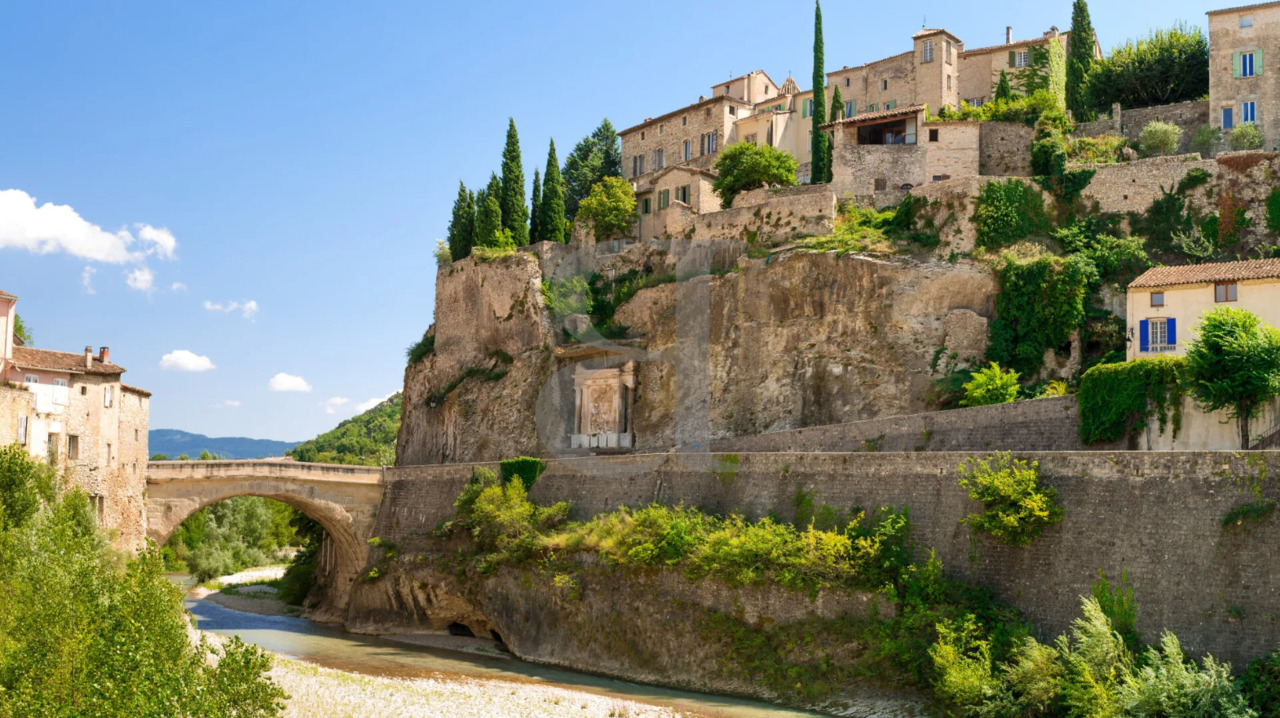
pixel 1004 91
pixel 489 222
pixel 1079 61
pixel 610 145
pixel 551 218
pixel 515 215
pixel 535 202
pixel 819 148
pixel 596 156
pixel 837 105
pixel 462 225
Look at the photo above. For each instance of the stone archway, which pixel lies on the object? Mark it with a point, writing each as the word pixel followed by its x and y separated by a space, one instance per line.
pixel 344 500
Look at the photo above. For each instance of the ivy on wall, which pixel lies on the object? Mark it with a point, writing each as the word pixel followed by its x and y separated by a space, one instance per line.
pixel 1041 303
pixel 1118 400
pixel 1007 212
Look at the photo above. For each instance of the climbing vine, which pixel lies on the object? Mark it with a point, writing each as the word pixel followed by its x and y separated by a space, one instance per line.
pixel 1040 304
pixel 1117 400
pixel 1007 212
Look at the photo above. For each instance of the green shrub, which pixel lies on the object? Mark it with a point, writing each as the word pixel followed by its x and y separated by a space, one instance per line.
pixel 1159 138
pixel 1205 140
pixel 1248 515
pixel 1119 259
pixel 610 207
pixel 1008 211
pixel 1194 245
pixel 1117 400
pixel 567 296
pixel 1015 508
pixel 1103 149
pixel 527 468
pixel 992 385
pixel 1167 682
pixel 1049 156
pixel 443 256
pixel 1040 304
pixel 421 349
pixel 1273 210
pixel 1261 685
pixel 745 166
pixel 1245 137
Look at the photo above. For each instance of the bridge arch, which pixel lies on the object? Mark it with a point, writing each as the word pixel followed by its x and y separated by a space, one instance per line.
pixel 344 500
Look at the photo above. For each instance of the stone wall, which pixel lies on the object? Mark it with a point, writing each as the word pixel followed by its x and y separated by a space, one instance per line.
pixel 1039 425
pixel 15 402
pixel 669 133
pixel 786 215
pixel 955 152
pixel 1133 186
pixel 866 169
pixel 1154 515
pixel 1005 149
pixel 1189 116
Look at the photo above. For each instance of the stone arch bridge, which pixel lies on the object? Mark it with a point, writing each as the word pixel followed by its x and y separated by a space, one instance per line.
pixel 342 499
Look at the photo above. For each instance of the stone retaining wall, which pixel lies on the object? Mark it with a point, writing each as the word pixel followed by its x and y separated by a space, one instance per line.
pixel 1189 116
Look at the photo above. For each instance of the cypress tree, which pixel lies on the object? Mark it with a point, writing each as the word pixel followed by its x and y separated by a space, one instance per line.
pixel 1004 91
pixel 488 222
pixel 551 217
pixel 535 202
pixel 606 138
pixel 462 225
pixel 837 105
pixel 515 215
pixel 819 148
pixel 1079 61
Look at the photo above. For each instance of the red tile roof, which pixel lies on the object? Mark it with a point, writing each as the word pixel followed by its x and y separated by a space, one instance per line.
pixel 30 358
pixel 135 389
pixel 6 295
pixel 1205 273
pixel 1238 8
pixel 880 115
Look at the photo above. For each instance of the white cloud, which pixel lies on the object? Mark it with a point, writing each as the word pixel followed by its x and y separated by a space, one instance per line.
pixel 52 228
pixel 178 287
pixel 288 382
pixel 331 406
pixel 364 406
pixel 86 279
pixel 141 279
pixel 248 309
pixel 228 404
pixel 183 360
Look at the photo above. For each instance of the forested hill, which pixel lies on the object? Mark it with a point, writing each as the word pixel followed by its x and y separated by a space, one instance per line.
pixel 173 443
pixel 368 439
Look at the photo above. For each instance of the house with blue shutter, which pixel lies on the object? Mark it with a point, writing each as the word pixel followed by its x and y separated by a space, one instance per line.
pixel 1241 41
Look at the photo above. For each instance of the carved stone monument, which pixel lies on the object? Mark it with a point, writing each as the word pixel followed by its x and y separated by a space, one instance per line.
pixel 602 407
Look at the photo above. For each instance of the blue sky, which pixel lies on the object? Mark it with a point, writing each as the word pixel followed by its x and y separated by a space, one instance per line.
pixel 305 157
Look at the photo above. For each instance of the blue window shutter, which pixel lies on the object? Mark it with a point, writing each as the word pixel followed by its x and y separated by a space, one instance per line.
pixel 1144 336
pixel 1172 325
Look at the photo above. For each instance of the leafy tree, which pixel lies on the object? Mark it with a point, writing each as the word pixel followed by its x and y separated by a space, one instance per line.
pixel 596 156
pixel 1159 138
pixel 610 208
pixel 1041 303
pixel 535 202
pixel 1015 507
pixel 992 385
pixel 368 439
pixel 1164 67
pixel 1004 91
pixel 742 166
pixel 24 485
pixel 837 105
pixel 551 217
pixel 159 457
pixel 1234 364
pixel 1079 62
pixel 515 215
pixel 20 330
pixel 819 143
pixel 462 225
pixel 489 217
pixel 1206 139
pixel 1245 137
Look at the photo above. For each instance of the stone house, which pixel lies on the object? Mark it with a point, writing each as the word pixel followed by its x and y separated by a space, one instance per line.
pixel 682 189
pixel 900 149
pixel 1239 91
pixel 73 411
pixel 980 68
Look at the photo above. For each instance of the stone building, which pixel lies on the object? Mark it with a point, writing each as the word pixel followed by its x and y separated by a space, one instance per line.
pixel 980 68
pixel 73 411
pixel 1239 91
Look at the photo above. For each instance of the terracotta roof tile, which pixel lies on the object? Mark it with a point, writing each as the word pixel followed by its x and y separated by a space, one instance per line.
pixel 879 115
pixel 1205 273
pixel 1011 45
pixel 6 295
pixel 1238 8
pixel 135 389
pixel 30 358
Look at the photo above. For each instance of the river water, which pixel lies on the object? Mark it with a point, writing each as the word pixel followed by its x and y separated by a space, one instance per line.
pixel 303 640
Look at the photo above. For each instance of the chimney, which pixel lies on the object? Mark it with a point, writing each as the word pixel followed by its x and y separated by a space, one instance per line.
pixel 1008 34
pixel 88 357
pixel 104 355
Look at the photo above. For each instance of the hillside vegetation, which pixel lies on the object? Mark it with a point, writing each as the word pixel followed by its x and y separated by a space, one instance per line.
pixel 365 440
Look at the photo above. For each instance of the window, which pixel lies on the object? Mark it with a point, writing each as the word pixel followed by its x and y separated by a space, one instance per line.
pixel 84 390
pixel 684 121
pixel 933 135
pixel 881 184
pixel 708 112
pixel 54 439
pixel 872 107
pixel 22 430
pixel 664 199
pixel 682 194
pixel 1022 58
pixel 99 503
pixel 642 134
pixel 1246 64
pixel 806 110
pixel 1160 335
pixel 928 51
pixel 727 88
pixel 884 85
pixel 107 396
pixel 733 110
pixel 1246 21
pixel 750 139
pixel 1227 122
pixel 846 82
pixel 108 452
pixel 644 206
pixel 657 159
pixel 661 130
pixel 1249 112
pixel 948 82
pixel 136 435
pixel 688 151
pixel 848 108
pixel 73 447
pixel 60 382
pixel 30 379
pixel 1225 292
pixel 1157 299
pixel 948 52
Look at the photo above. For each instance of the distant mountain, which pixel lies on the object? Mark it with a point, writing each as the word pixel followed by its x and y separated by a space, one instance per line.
pixel 173 443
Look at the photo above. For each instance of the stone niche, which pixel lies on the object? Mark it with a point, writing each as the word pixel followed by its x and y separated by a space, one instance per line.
pixel 603 403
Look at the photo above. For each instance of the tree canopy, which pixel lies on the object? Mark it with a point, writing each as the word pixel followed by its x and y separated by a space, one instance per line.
pixel 819 143
pixel 368 439
pixel 462 225
pixel 1080 61
pixel 552 225
pixel 21 330
pixel 1234 364
pixel 1164 67
pixel 596 156
pixel 610 208
pixel 515 215
pixel 743 166
pixel 535 202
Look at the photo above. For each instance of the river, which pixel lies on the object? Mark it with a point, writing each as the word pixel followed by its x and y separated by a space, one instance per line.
pixel 330 647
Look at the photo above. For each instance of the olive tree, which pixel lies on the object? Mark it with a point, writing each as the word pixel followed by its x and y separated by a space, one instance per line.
pixel 1234 364
pixel 744 165
pixel 610 207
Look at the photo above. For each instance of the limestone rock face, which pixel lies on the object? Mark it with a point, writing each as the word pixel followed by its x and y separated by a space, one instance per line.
pixel 787 342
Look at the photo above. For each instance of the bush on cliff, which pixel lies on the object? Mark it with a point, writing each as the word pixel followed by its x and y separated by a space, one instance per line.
pixel 1015 507
pixel 992 385
pixel 85 632
pixel 744 166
